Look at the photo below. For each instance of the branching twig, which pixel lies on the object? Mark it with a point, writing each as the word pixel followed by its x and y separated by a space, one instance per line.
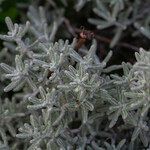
pixel 73 30
pixel 107 40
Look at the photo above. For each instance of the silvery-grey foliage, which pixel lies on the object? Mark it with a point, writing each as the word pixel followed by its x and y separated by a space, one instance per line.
pixel 80 3
pixel 64 100
pixel 120 14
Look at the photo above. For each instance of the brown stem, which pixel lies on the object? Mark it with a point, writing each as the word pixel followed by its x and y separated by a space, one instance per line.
pixel 107 40
pixel 73 30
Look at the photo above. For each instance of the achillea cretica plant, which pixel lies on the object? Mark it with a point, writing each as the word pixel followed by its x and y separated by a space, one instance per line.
pixel 61 98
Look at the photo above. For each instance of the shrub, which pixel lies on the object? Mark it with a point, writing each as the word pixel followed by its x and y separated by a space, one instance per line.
pixel 59 94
